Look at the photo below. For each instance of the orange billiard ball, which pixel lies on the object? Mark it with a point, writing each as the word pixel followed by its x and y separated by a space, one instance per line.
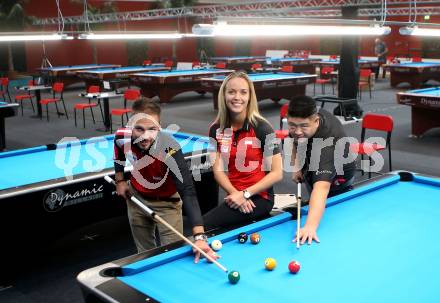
pixel 270 263
pixel 255 238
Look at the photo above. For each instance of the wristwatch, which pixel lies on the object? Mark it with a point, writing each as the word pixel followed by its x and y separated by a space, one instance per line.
pixel 200 236
pixel 246 194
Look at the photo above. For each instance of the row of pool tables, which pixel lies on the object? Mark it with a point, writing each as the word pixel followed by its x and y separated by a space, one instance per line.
pixel 267 85
pixel 413 73
pixel 49 191
pixel 92 73
pixel 425 108
pixel 97 76
pixel 377 245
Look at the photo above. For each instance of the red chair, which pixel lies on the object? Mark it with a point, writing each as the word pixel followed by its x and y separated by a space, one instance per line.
pixel 374 122
pixel 4 89
pixel 287 68
pixel 169 63
pixel 146 62
pixel 324 78
pixel 333 57
pixel 390 60
pixel 23 97
pixel 118 112
pixel 282 133
pixel 82 106
pixel 256 66
pixel 416 59
pixel 220 65
pixel 131 95
pixel 57 88
pixel 196 64
pixel 365 79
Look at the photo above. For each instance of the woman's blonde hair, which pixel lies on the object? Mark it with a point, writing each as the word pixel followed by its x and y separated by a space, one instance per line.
pixel 252 114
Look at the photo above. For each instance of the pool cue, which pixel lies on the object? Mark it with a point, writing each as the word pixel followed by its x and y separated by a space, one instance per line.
pixel 298 215
pixel 159 219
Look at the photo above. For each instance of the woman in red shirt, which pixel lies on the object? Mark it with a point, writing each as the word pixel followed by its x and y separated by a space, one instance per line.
pixel 247 160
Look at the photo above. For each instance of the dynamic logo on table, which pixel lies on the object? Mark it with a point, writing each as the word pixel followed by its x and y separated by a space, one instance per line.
pixel 302 81
pixel 430 102
pixel 406 100
pixel 268 84
pixel 185 79
pixel 56 199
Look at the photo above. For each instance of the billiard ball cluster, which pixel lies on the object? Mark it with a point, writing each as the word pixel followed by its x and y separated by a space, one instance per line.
pixel 254 238
pixel 269 263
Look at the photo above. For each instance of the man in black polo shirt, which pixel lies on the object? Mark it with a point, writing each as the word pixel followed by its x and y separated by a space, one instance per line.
pixel 160 179
pixel 320 157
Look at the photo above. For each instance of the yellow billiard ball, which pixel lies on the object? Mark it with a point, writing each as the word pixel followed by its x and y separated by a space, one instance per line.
pixel 270 263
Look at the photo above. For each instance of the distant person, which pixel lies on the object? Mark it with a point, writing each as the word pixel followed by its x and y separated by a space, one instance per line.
pixel 381 51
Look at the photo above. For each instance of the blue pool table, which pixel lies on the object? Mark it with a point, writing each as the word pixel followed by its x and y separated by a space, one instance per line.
pixel 273 86
pixel 40 201
pixel 67 73
pixel 414 73
pixel 239 62
pixel 168 84
pixel 377 245
pixel 6 110
pixel 425 108
pixel 116 74
pixel 363 63
pixel 300 65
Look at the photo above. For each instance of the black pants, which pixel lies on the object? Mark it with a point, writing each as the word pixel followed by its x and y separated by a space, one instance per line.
pixel 223 216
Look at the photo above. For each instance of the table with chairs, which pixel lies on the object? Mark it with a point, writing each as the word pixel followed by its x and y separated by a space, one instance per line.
pixel 35 89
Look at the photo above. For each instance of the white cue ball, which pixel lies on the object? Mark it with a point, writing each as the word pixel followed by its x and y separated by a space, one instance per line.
pixel 216 245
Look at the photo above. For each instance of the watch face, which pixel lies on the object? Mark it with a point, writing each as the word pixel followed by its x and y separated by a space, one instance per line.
pixel 246 194
pixel 201 237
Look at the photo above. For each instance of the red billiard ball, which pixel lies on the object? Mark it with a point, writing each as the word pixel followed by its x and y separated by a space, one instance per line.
pixel 294 267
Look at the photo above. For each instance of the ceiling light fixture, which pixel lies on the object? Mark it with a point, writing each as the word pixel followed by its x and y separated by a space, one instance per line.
pixel 259 30
pixel 130 35
pixel 417 31
pixel 11 37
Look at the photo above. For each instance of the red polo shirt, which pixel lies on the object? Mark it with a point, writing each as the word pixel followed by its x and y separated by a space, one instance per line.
pixel 244 150
pixel 150 177
pixel 159 172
